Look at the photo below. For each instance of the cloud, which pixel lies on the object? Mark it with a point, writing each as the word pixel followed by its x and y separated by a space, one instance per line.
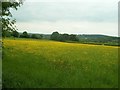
pixel 79 11
pixel 98 1
pixel 83 16
pixel 70 27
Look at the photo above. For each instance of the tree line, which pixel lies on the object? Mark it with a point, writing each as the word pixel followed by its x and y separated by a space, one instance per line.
pixel 25 34
pixel 54 36
pixel 63 37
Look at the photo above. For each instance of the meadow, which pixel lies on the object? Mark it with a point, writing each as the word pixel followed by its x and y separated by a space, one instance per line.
pixel 29 63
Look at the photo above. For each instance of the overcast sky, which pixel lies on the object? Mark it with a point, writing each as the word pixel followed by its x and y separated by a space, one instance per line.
pixel 68 16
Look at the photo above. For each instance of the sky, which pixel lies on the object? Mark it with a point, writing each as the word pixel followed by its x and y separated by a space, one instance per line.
pixel 68 16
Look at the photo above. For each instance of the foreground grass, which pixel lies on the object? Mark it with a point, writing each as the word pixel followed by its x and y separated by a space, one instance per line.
pixel 49 64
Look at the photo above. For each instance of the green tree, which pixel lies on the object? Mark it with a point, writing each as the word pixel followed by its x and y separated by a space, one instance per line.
pixel 64 37
pixel 37 36
pixel 40 36
pixel 15 34
pixel 33 36
pixel 6 33
pixel 73 37
pixel 24 35
pixel 8 23
pixel 55 36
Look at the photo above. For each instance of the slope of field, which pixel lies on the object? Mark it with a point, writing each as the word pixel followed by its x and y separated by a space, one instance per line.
pixel 49 64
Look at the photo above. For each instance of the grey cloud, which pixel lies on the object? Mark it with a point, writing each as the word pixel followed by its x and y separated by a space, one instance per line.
pixel 52 11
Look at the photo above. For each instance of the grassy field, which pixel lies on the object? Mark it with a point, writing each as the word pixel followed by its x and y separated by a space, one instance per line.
pixel 31 63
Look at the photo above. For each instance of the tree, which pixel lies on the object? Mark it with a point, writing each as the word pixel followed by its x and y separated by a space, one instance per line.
pixel 63 37
pixel 15 33
pixel 37 36
pixel 73 37
pixel 33 36
pixel 55 36
pixel 41 36
pixel 24 35
pixel 7 22
pixel 6 33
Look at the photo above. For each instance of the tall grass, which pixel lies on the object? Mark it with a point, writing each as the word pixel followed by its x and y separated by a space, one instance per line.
pixel 49 64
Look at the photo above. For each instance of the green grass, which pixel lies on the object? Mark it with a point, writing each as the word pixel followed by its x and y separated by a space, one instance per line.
pixel 48 64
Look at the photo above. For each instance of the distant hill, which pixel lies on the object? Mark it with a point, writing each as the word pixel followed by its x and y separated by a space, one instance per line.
pixel 91 36
pixel 98 39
